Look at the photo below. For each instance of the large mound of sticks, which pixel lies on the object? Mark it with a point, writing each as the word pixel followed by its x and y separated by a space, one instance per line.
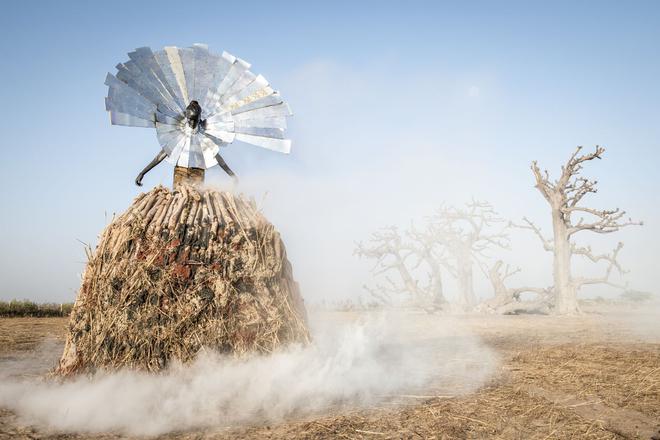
pixel 182 271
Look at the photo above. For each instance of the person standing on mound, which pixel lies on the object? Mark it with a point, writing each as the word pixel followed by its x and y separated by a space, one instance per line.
pixel 198 102
pixel 193 119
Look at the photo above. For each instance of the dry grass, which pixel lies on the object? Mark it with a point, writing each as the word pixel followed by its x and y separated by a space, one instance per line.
pixel 547 388
pixel 624 376
pixel 24 334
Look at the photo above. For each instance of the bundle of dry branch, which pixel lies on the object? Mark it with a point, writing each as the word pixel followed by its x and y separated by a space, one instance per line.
pixel 178 272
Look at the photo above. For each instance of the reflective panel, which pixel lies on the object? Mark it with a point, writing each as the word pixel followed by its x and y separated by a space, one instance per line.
pixel 153 89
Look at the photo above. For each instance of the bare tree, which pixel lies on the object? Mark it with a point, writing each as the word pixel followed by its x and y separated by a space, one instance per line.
pixel 426 250
pixel 509 300
pixel 392 255
pixel 453 240
pixel 467 234
pixel 564 196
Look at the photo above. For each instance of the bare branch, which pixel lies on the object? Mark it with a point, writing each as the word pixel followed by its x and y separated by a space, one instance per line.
pixel 574 165
pixel 607 221
pixel 547 244
pixel 508 300
pixel 542 181
pixel 610 258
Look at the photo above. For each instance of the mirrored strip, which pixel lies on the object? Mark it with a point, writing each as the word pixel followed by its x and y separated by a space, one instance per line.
pixel 241 82
pixel 177 70
pixel 237 69
pixel 281 145
pixel 203 73
pixel 209 150
pixel 188 62
pixel 157 76
pixel 276 133
pixel 224 135
pixel 219 125
pixel 120 105
pixel 222 116
pixel 185 152
pixel 118 118
pixel 196 157
pixel 278 122
pixel 120 89
pixel 123 99
pixel 173 157
pixel 266 101
pixel 265 112
pixel 216 140
pixel 221 68
pixel 151 72
pixel 253 91
pixel 168 140
pixel 165 119
pixel 137 83
pixel 130 74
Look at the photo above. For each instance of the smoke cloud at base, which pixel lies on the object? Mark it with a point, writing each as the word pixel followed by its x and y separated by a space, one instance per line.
pixel 348 365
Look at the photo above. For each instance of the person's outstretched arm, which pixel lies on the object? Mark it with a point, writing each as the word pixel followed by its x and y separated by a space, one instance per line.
pixel 225 167
pixel 158 159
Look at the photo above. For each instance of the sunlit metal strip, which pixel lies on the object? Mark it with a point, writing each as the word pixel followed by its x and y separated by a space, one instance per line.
pixel 265 112
pixel 202 76
pixel 223 135
pixel 196 159
pixel 222 66
pixel 265 101
pixel 276 133
pixel 165 66
pixel 151 73
pixel 275 122
pixel 209 150
pixel 177 68
pixel 281 145
pixel 118 118
pixel 188 63
pixel 175 155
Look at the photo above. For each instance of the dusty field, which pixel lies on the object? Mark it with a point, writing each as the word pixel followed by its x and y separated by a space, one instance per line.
pixel 596 376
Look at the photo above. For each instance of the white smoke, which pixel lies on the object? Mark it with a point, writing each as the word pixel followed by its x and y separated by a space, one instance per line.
pixel 349 364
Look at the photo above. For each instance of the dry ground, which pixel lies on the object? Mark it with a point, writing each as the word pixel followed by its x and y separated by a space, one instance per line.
pixel 596 376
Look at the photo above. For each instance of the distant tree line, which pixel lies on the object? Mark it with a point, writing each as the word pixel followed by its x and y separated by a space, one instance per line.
pixel 25 308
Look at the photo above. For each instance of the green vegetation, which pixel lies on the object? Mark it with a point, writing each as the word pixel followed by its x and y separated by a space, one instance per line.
pixel 16 308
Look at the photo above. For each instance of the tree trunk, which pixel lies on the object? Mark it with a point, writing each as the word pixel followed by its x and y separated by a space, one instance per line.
pixel 465 284
pixel 437 288
pixel 508 300
pixel 565 292
pixel 408 281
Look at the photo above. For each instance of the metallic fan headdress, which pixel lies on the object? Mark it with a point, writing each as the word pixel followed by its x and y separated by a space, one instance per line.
pixel 198 101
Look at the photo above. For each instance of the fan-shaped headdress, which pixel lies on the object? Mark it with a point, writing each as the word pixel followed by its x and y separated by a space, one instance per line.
pixel 198 101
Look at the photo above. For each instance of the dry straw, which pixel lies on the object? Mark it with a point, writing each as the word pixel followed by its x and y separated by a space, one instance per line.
pixel 182 271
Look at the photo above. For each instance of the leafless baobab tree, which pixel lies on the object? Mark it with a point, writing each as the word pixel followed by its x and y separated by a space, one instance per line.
pixel 467 234
pixel 396 255
pixel 453 240
pixel 564 196
pixel 509 300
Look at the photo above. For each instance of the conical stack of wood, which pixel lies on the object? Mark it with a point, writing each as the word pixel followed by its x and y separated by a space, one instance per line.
pixel 179 272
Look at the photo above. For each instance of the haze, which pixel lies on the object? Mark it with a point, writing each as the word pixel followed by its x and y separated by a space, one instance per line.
pixel 397 109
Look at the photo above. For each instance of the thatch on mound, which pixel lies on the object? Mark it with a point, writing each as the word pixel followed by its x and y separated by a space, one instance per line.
pixel 181 271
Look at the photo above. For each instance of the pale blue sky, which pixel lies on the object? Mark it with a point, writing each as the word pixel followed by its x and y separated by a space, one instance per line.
pixel 398 106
